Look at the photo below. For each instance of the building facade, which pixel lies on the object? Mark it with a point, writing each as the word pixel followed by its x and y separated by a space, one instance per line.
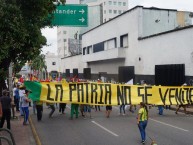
pixel 142 44
pixel 99 11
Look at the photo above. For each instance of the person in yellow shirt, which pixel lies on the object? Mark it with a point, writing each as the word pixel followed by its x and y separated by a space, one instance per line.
pixel 142 120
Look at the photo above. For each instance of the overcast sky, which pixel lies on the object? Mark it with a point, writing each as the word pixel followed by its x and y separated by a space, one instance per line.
pixel 184 5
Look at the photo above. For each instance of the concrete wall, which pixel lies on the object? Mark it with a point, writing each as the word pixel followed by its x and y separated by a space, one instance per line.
pixel 156 21
pixel 73 62
pixel 171 48
pixel 49 59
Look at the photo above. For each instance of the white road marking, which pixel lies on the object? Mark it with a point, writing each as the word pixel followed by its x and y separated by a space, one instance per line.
pixel 169 125
pixel 105 129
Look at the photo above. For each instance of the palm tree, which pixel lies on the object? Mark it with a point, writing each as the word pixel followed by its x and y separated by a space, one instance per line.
pixel 39 65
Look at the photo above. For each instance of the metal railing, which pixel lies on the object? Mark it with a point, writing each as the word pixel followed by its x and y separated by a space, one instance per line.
pixel 11 140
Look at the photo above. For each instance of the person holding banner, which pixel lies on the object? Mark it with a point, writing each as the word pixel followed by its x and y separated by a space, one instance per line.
pixel 142 120
pixel 52 109
pixel 108 110
pixel 122 107
pixel 74 108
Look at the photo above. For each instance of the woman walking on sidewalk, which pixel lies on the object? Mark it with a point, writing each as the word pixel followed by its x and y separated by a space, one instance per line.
pixel 142 121
pixel 25 106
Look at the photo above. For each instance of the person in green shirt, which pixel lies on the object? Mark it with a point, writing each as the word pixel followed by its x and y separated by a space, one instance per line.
pixel 142 120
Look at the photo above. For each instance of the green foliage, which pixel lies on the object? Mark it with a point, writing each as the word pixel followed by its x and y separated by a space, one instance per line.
pixel 21 22
pixel 39 63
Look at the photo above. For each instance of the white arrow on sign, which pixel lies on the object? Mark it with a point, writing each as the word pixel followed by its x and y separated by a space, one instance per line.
pixel 82 19
pixel 82 11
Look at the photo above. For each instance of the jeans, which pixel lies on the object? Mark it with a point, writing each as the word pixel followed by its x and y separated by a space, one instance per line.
pixel 122 107
pixel 161 108
pixel 142 125
pixel 25 113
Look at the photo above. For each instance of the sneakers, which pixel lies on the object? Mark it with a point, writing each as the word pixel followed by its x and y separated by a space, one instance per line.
pixel 143 141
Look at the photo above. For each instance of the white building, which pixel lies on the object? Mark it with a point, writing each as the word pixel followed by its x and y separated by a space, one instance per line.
pixel 112 8
pixel 143 43
pixel 52 62
pixel 99 11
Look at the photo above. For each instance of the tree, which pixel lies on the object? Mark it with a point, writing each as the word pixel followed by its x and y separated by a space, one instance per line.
pixel 39 63
pixel 21 22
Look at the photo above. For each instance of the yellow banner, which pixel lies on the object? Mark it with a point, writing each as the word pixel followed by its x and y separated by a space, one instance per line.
pixel 114 94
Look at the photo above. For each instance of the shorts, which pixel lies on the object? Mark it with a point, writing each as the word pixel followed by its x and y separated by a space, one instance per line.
pixel 87 108
pixel 108 107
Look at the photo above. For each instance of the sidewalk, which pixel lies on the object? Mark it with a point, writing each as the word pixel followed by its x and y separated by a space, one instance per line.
pixel 22 134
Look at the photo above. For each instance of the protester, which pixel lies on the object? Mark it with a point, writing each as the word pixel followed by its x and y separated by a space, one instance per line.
pixel 122 108
pixel 74 108
pixel 25 106
pixel 82 109
pixel 62 107
pixel 34 107
pixel 87 110
pixel 21 95
pixel 52 107
pixel 108 110
pixel 39 108
pixel 161 109
pixel 16 97
pixel 97 107
pixel 142 120
pixel 6 109
pixel 183 106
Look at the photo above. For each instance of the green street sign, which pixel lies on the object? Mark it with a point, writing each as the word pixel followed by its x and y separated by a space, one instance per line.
pixel 71 15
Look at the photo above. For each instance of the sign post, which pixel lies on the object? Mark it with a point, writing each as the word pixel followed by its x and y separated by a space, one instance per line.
pixel 71 15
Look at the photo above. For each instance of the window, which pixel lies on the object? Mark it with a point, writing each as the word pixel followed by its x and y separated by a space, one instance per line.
pixel 110 11
pixel 124 41
pixel 110 2
pixel 104 11
pixel 98 47
pixel 84 50
pixel 115 11
pixel 119 3
pixel 64 40
pixel 89 49
pixel 115 3
pixel 124 3
pixel 119 11
pixel 64 32
pixel 53 63
pixel 110 44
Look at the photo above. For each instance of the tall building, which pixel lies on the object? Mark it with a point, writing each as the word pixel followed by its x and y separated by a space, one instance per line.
pixel 99 11
pixel 112 8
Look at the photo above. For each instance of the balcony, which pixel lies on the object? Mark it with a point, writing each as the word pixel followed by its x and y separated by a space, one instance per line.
pixel 115 53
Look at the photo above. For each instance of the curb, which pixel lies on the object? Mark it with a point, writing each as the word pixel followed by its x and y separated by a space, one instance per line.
pixel 37 139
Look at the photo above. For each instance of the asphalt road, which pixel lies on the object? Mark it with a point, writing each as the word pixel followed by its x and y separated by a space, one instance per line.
pixel 169 129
